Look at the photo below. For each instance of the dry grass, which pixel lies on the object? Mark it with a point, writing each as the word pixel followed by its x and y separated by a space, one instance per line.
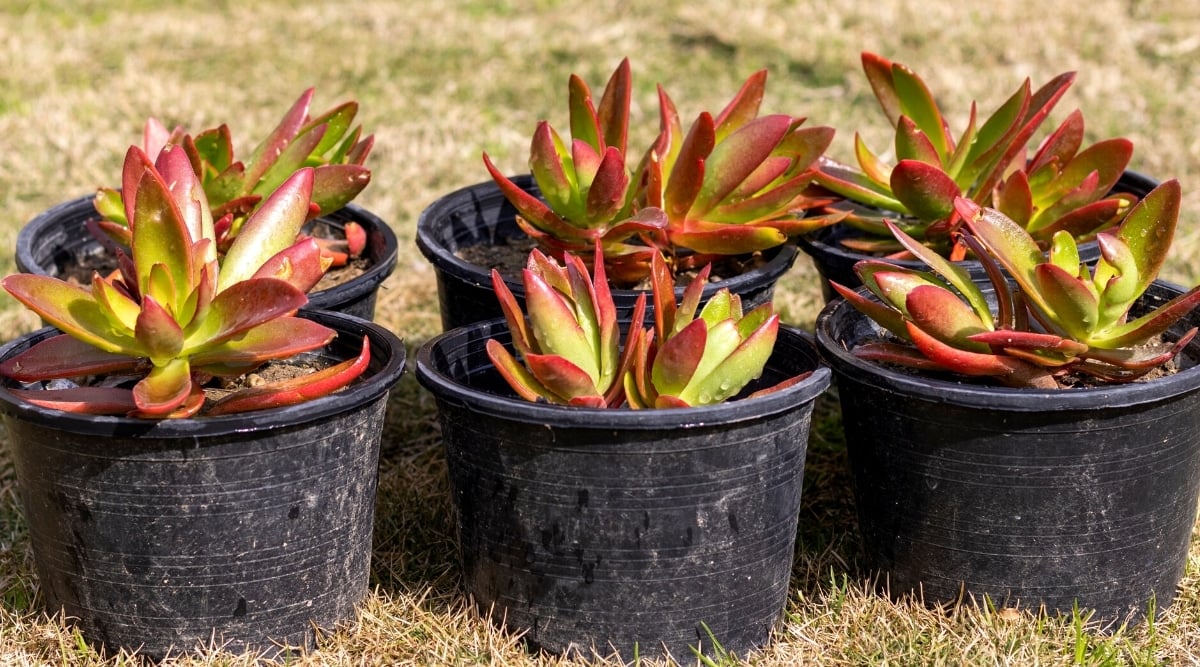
pixel 441 81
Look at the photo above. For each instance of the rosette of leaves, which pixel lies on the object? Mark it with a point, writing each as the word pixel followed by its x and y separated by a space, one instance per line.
pixel 1056 317
pixel 173 317
pixel 737 183
pixel 1060 188
pixel 586 184
pixel 330 144
pixel 571 353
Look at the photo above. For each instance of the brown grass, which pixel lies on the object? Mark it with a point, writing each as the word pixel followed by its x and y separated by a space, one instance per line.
pixel 439 82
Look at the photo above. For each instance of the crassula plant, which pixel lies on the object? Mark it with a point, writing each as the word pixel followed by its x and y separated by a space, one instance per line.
pixel 571 352
pixel 735 183
pixel 329 144
pixel 586 186
pixel 1054 316
pixel 173 317
pixel 1061 187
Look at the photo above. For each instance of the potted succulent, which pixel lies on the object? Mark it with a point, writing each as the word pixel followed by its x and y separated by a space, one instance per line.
pixel 1061 186
pixel 1031 440
pixel 163 515
pixel 732 191
pixel 82 235
pixel 609 496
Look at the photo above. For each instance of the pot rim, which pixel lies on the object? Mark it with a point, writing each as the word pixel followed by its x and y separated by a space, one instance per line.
pixel 488 193
pixel 446 387
pixel 377 384
pixel 834 352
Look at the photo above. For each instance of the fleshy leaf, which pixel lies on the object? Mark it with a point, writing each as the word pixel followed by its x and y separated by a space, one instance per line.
pixel 924 189
pixel 81 400
pixel 733 160
pixel 561 377
pixel 70 308
pixel 158 334
pixel 917 103
pixel 944 316
pixel 741 366
pixel 1006 369
pixel 159 233
pixel 518 377
pixel 270 229
pixel 62 356
pixel 687 175
pixel 1069 304
pixel 265 154
pixel 679 357
pixel 553 325
pixel 164 389
pixel 1149 229
pixel 243 306
pixel 275 339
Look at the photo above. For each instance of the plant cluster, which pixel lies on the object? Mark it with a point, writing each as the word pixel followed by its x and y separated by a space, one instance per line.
pixel 1054 315
pixel 571 351
pixel 176 314
pixel 330 144
pixel 736 183
pixel 1059 188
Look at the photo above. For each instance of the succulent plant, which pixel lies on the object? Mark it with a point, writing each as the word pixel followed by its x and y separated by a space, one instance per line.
pixel 172 317
pixel 586 189
pixel 1058 316
pixel 735 184
pixel 571 352
pixel 687 360
pixel 328 144
pixel 1059 188
pixel 571 343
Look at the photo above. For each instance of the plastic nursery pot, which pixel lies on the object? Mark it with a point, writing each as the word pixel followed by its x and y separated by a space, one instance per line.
pixel 55 241
pixel 601 530
pixel 479 214
pixel 244 531
pixel 1028 497
pixel 836 262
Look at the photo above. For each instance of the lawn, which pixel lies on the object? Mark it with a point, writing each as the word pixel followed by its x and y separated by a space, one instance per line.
pixel 440 82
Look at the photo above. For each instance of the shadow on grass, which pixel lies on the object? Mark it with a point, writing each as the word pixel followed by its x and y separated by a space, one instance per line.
pixel 18 584
pixel 828 543
pixel 415 544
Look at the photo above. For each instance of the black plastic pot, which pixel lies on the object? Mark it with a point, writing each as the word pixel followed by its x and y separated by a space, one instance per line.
pixel 598 530
pixel 835 262
pixel 247 531
pixel 56 239
pixel 479 214
pixel 1029 497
